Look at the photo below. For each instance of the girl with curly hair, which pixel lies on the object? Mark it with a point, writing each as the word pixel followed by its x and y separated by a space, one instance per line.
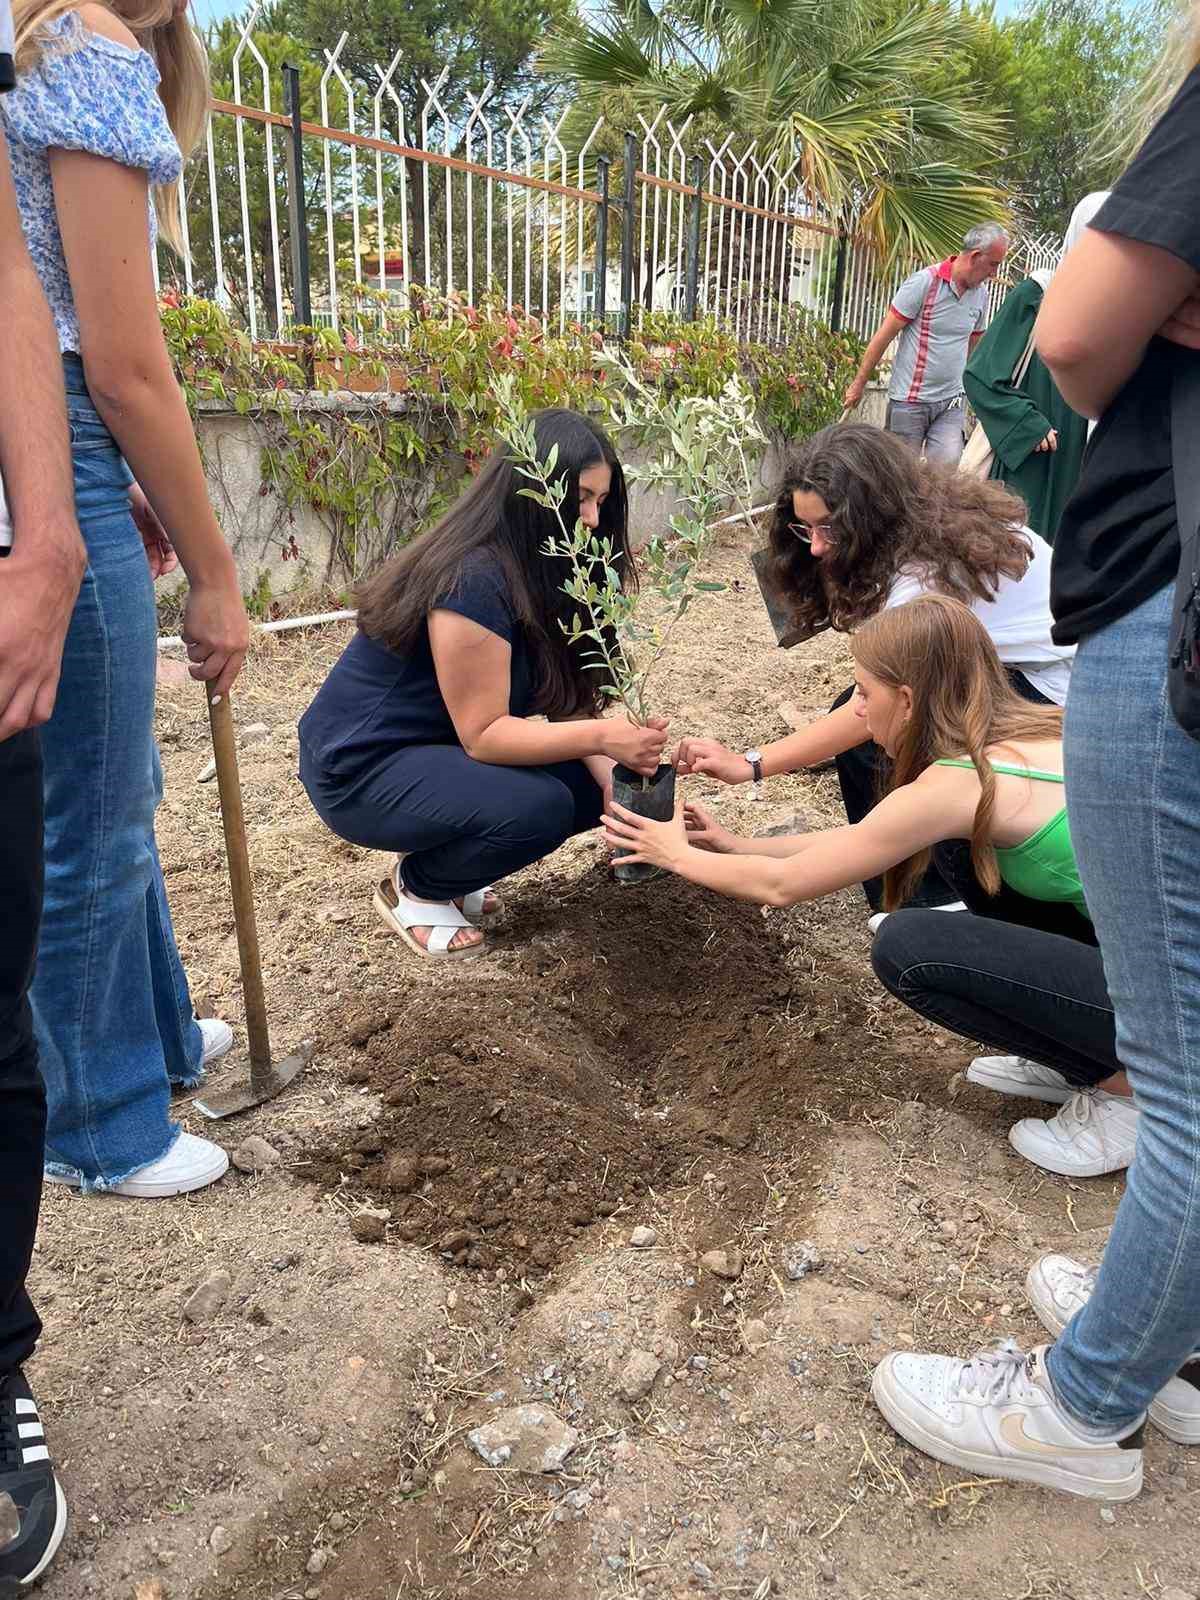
pixel 861 525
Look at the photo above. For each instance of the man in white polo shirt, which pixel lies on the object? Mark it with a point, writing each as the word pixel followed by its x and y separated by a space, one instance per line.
pixel 938 314
pixel 42 560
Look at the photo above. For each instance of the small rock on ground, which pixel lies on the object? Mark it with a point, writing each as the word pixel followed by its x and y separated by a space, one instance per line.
pixel 206 1300
pixel 638 1375
pixel 642 1238
pixel 220 1541
pixel 801 1258
pixel 369 1226
pixel 526 1438
pixel 207 772
pixel 756 1334
pixel 318 1561
pixel 722 1263
pixel 254 731
pixel 255 1155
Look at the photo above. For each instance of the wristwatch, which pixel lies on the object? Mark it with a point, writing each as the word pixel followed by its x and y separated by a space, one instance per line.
pixel 754 757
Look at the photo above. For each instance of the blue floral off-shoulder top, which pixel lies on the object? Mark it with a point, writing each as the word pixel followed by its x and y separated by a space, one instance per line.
pixel 85 93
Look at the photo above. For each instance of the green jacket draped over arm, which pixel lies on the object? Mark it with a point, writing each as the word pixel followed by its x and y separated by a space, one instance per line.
pixel 1017 420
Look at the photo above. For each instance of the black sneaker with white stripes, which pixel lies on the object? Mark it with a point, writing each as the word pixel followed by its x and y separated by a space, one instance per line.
pixel 33 1508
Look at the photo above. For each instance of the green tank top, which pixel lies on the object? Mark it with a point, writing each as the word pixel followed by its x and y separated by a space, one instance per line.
pixel 1043 868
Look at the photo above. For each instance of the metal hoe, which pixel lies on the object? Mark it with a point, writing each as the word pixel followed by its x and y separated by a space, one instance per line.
pixel 266 1079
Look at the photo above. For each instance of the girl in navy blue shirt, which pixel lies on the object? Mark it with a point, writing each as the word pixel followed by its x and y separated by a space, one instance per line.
pixel 426 739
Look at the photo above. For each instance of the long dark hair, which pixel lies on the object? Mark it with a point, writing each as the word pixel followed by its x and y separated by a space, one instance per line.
pixel 962 703
pixel 492 517
pixel 891 512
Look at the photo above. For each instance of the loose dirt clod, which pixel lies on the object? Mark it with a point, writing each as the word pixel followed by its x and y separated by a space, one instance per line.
pixel 206 1300
pixel 369 1226
pixel 255 1155
pixel 723 1263
pixel 637 1376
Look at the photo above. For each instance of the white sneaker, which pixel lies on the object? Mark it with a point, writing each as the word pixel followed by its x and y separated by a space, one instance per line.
pixel 189 1164
pixel 1058 1287
pixel 996 1415
pixel 218 1040
pixel 1016 1075
pixel 878 918
pixel 1094 1133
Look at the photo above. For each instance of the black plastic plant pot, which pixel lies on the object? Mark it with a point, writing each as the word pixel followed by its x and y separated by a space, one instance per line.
pixel 656 801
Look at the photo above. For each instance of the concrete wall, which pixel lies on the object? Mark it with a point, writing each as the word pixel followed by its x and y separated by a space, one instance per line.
pixel 264 534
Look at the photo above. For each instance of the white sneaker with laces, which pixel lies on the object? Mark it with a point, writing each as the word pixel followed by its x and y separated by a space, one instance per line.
pixel 218 1040
pixel 1015 1075
pixel 996 1415
pixel 1058 1287
pixel 877 919
pixel 190 1163
pixel 1094 1133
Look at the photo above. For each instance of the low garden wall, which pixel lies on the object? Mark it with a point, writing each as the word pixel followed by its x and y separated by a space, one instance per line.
pixel 314 486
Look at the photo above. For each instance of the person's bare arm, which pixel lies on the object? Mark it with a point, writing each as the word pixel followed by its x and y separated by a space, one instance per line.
pixel 937 806
pixel 888 329
pixel 474 672
pixel 39 578
pixel 828 736
pixel 1104 304
pixel 103 218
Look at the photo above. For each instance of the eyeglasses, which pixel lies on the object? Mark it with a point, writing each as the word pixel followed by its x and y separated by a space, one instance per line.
pixel 804 531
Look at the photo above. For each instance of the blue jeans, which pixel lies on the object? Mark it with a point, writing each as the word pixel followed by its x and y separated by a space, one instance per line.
pixel 112 1012
pixel 1133 792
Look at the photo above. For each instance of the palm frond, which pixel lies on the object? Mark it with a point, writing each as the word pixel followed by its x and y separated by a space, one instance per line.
pixel 926 210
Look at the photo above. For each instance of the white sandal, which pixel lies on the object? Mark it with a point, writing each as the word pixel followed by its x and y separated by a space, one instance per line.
pixel 472 903
pixel 400 914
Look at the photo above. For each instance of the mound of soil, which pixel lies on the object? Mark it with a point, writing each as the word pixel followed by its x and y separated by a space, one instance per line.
pixel 531 1093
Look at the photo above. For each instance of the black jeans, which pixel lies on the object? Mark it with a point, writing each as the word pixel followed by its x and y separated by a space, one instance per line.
pixel 863 774
pixel 1022 976
pixel 22 1098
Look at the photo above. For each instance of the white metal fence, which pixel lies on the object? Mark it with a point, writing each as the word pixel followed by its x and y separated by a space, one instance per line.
pixel 288 220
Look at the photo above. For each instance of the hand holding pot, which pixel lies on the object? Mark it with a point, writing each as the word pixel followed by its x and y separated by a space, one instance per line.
pixel 711 759
pixel 634 746
pixel 653 844
pixel 706 834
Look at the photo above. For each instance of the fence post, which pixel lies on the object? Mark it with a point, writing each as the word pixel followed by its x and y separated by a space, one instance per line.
pixel 601 309
pixel 630 176
pixel 695 200
pixel 297 216
pixel 839 283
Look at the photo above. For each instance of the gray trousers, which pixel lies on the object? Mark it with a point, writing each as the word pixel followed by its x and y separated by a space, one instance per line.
pixel 932 426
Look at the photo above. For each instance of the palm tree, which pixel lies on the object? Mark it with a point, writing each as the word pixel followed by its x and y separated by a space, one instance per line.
pixel 856 93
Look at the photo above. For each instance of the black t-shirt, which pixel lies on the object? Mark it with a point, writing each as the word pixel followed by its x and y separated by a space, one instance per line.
pixel 1118 542
pixel 376 702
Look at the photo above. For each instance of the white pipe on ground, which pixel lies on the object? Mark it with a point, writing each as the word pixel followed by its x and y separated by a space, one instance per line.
pixel 172 641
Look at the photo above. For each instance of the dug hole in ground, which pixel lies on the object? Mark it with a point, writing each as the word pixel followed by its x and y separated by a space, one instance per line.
pixel 265 1391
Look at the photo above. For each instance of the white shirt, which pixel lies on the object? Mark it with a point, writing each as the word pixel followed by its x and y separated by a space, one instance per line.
pixel 1017 618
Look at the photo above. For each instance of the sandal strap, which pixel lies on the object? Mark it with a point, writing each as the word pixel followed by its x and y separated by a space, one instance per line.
pixel 424 914
pixel 473 902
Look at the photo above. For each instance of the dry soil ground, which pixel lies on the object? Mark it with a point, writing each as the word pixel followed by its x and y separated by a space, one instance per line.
pixel 647 1057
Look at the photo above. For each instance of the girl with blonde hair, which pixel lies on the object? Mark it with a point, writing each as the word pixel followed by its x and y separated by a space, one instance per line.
pixel 106 97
